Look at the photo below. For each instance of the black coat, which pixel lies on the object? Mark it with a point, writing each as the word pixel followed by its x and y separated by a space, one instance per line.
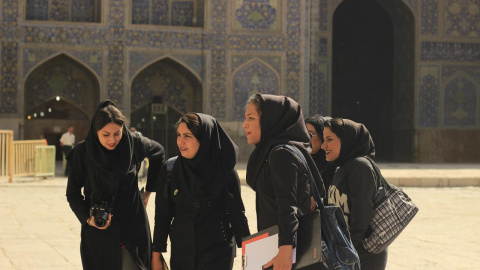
pixel 201 231
pixel 100 249
pixel 282 187
pixel 353 189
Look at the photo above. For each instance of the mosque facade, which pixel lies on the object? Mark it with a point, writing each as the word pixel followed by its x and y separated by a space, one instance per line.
pixel 408 69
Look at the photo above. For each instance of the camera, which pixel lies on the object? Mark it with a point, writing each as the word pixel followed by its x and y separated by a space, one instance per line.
pixel 100 213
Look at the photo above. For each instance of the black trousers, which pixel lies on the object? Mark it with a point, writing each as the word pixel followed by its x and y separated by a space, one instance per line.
pixel 66 150
pixel 370 261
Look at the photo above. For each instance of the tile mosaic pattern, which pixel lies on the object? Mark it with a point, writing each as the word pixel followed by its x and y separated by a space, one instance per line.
pixel 460 102
pixel 429 97
pixel 449 51
pixel 115 58
pixel 58 81
pixel 319 94
pixel 8 78
pixel 159 80
pixel 93 58
pixel 256 14
pixel 253 78
pixel 462 18
pixel 429 17
pixel 61 10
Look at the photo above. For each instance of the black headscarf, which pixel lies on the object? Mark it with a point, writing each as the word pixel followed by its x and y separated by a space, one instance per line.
pixel 281 122
pixel 110 165
pixel 317 122
pixel 356 142
pixel 208 172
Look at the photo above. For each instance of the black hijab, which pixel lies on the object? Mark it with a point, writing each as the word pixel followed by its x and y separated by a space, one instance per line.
pixel 208 172
pixel 281 122
pixel 110 166
pixel 356 142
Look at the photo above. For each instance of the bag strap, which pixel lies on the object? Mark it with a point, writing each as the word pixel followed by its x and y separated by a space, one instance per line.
pixel 313 186
pixel 383 183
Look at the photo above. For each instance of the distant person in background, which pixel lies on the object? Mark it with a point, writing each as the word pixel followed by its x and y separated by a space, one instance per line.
pixel 315 125
pixel 66 142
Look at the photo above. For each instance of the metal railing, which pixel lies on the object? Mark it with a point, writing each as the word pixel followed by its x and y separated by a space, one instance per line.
pixel 17 157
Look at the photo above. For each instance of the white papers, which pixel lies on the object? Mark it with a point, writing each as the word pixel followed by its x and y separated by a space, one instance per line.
pixel 258 249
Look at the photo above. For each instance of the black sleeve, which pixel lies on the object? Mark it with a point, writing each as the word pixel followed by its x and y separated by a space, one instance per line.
pixel 163 213
pixel 156 158
pixel 362 187
pixel 76 178
pixel 284 171
pixel 236 209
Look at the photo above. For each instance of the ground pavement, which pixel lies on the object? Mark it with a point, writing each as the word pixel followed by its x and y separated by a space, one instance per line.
pixel 39 231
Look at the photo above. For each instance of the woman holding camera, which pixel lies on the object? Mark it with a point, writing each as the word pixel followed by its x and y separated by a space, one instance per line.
pixel 200 205
pixel 115 231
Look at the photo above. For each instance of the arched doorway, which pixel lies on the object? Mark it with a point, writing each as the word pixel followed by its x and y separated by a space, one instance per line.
pixel 372 73
pixel 160 94
pixel 59 93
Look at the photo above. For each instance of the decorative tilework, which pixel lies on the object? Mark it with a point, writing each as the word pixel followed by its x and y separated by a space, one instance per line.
pixel 429 97
pixel 139 59
pixel 140 10
pixel 472 71
pixel 255 14
pixel 160 10
pixel 33 56
pixel 56 81
pixel 253 78
pixel 293 49
pixel 58 10
pixel 37 10
pixel 217 42
pixel 162 80
pixel 116 71
pixel 429 17
pixel 462 18
pixel 83 11
pixel 319 95
pixel 449 51
pixel 460 103
pixel 8 78
pixel 255 43
pixel 182 13
pixel 274 61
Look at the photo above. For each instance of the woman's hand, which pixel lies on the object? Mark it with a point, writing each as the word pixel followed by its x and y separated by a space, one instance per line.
pixel 91 222
pixel 157 263
pixel 283 260
pixel 145 197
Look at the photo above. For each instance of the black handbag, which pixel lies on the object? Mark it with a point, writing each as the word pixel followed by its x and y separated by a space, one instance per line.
pixel 392 212
pixel 338 251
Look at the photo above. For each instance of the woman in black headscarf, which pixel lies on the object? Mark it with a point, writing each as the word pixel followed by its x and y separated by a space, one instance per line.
pixel 200 205
pixel 315 130
pixel 275 172
pixel 354 185
pixel 115 230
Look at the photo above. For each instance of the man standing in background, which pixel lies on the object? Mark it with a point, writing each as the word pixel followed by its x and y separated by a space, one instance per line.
pixel 66 142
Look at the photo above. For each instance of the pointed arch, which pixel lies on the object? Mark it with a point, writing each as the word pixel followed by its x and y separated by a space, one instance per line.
pixel 52 56
pixel 177 84
pixel 62 75
pixel 254 76
pixel 180 62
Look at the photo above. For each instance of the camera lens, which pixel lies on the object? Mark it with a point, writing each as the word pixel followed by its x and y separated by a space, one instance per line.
pixel 101 218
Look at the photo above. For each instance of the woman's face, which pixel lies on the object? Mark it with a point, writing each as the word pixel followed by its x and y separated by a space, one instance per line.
pixel 251 124
pixel 187 143
pixel 331 145
pixel 314 139
pixel 110 135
